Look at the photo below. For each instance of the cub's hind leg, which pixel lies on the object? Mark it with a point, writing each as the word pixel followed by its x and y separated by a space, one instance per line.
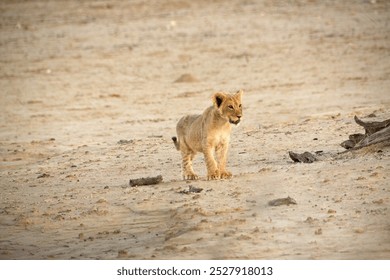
pixel 188 171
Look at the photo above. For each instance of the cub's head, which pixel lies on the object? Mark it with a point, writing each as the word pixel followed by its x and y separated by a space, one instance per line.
pixel 229 106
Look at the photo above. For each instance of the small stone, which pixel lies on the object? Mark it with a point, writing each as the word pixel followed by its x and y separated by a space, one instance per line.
pixel 44 175
pixel 282 201
pixel 358 230
pixel 122 254
pixel 379 201
pixel 309 220
pixel 124 142
pixel 186 78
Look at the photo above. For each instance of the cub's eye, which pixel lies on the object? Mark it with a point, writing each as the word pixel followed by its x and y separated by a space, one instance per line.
pixel 230 107
pixel 239 105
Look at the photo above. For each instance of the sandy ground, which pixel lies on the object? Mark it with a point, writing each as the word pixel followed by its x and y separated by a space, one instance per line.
pixel 76 77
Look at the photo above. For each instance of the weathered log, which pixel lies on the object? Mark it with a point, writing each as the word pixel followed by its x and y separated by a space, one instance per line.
pixel 375 138
pixel 348 144
pixel 375 132
pixel 146 181
pixel 372 127
pixel 353 140
pixel 305 157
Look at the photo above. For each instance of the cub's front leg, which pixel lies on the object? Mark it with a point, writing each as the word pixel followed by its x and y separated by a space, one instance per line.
pixel 212 167
pixel 221 152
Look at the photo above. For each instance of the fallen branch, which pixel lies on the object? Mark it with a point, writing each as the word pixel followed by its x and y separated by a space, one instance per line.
pixel 353 140
pixel 146 181
pixel 375 138
pixel 375 132
pixel 372 127
pixel 305 157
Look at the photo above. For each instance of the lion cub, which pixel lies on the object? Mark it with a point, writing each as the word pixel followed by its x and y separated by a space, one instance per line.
pixel 209 133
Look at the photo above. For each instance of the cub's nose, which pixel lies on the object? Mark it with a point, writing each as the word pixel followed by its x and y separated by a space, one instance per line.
pixel 239 116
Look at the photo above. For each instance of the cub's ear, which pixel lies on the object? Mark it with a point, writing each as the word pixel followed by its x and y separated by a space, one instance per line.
pixel 218 98
pixel 239 93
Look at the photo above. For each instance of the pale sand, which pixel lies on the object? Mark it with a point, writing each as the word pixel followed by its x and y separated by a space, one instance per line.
pixel 76 78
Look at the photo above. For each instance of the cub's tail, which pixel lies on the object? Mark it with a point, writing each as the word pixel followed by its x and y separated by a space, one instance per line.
pixel 176 142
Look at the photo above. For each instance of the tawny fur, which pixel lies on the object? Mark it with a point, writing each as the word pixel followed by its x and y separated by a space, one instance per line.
pixel 209 133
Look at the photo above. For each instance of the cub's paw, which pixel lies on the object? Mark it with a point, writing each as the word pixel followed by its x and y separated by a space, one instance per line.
pixel 226 174
pixel 190 176
pixel 213 175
